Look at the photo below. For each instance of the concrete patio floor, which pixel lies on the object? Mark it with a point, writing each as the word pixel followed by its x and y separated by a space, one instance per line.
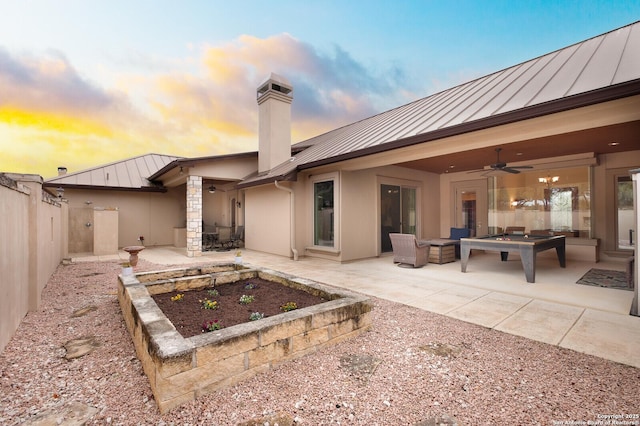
pixel 491 293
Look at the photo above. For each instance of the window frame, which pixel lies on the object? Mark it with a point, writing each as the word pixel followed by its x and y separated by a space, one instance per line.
pixel 335 179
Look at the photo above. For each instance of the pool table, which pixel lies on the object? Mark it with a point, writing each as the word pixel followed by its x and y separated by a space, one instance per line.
pixel 527 246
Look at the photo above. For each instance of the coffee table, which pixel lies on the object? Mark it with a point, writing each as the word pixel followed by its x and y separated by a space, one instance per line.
pixel 443 250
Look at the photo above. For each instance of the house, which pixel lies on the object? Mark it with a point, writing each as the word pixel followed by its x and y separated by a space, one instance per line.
pixel 546 144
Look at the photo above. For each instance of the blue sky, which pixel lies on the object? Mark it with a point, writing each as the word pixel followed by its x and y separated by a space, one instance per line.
pixel 83 83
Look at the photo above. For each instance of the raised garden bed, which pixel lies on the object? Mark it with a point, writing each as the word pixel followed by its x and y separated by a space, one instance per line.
pixel 181 369
pixel 186 309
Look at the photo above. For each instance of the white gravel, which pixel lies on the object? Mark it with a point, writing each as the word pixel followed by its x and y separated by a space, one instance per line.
pixel 488 377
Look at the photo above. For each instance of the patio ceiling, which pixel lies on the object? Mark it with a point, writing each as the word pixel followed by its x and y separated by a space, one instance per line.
pixel 602 140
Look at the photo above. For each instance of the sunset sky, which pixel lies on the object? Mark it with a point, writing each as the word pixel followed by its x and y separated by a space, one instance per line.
pixel 84 83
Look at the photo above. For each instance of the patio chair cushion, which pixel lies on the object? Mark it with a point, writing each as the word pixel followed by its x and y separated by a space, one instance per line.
pixel 457 233
pixel 407 250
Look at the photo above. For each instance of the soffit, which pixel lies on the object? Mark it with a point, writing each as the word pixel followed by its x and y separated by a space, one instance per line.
pixel 595 141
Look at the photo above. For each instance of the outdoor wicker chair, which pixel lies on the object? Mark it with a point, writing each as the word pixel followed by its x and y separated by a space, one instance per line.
pixel 408 251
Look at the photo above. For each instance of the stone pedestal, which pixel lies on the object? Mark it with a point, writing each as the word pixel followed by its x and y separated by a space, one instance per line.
pixel 133 253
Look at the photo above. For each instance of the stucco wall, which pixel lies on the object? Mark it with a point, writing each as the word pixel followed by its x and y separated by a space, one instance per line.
pixel 51 231
pixel 360 207
pixel 267 220
pixel 33 230
pixel 152 215
pixel 14 260
pixel 357 224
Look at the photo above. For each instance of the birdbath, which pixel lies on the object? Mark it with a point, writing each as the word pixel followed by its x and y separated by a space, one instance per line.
pixel 133 253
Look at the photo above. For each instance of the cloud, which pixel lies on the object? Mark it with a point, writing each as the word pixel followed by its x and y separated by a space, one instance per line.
pixel 203 105
pixel 47 83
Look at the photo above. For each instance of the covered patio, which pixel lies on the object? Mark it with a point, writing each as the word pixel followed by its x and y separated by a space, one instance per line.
pixel 493 294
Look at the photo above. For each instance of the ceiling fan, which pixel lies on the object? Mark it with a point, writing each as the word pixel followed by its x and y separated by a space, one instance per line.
pixel 501 166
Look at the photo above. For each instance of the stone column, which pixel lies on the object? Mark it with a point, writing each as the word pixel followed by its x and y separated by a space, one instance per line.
pixel 194 216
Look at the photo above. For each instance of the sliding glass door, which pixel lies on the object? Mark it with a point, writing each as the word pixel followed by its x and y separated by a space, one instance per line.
pixel 397 212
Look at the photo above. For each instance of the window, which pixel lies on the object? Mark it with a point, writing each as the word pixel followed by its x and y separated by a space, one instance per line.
pixel 555 201
pixel 624 213
pixel 323 213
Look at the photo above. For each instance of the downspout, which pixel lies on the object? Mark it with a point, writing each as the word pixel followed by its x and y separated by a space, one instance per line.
pixel 293 220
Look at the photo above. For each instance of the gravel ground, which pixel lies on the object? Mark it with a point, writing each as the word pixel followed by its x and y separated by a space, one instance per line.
pixel 414 366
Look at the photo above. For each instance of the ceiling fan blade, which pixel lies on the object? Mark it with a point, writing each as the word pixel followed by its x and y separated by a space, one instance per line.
pixel 510 170
pixel 500 166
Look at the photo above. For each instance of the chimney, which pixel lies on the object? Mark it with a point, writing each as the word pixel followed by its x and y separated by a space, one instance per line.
pixel 62 171
pixel 274 122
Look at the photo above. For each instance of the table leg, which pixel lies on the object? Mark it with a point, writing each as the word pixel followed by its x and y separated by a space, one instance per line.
pixel 528 258
pixel 561 252
pixel 465 250
pixel 504 256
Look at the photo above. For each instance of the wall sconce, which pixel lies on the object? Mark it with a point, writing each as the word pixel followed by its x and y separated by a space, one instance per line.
pixel 212 189
pixel 181 171
pixel 239 204
pixel 60 191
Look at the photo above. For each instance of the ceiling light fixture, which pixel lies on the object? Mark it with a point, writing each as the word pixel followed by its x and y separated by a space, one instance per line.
pixel 549 179
pixel 212 189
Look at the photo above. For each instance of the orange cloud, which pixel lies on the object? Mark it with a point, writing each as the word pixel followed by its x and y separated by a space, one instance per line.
pixel 198 107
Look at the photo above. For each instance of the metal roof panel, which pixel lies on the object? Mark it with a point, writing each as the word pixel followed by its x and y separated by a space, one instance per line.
pixel 131 173
pixel 601 67
pixel 629 66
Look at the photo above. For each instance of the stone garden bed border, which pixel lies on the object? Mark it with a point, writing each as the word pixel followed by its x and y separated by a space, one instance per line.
pixel 181 369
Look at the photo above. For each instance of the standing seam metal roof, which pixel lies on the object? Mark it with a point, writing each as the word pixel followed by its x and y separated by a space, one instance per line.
pixel 131 173
pixel 598 63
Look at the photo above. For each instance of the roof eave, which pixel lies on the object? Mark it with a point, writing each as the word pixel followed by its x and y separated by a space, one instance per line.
pixel 159 189
pixel 606 94
pixel 190 162
pixel 290 176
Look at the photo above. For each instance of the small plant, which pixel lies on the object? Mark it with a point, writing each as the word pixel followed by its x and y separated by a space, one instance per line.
pixel 238 253
pixel 213 292
pixel 211 325
pixel 289 306
pixel 177 298
pixel 126 264
pixel 245 300
pixel 256 316
pixel 209 304
pixel 250 286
